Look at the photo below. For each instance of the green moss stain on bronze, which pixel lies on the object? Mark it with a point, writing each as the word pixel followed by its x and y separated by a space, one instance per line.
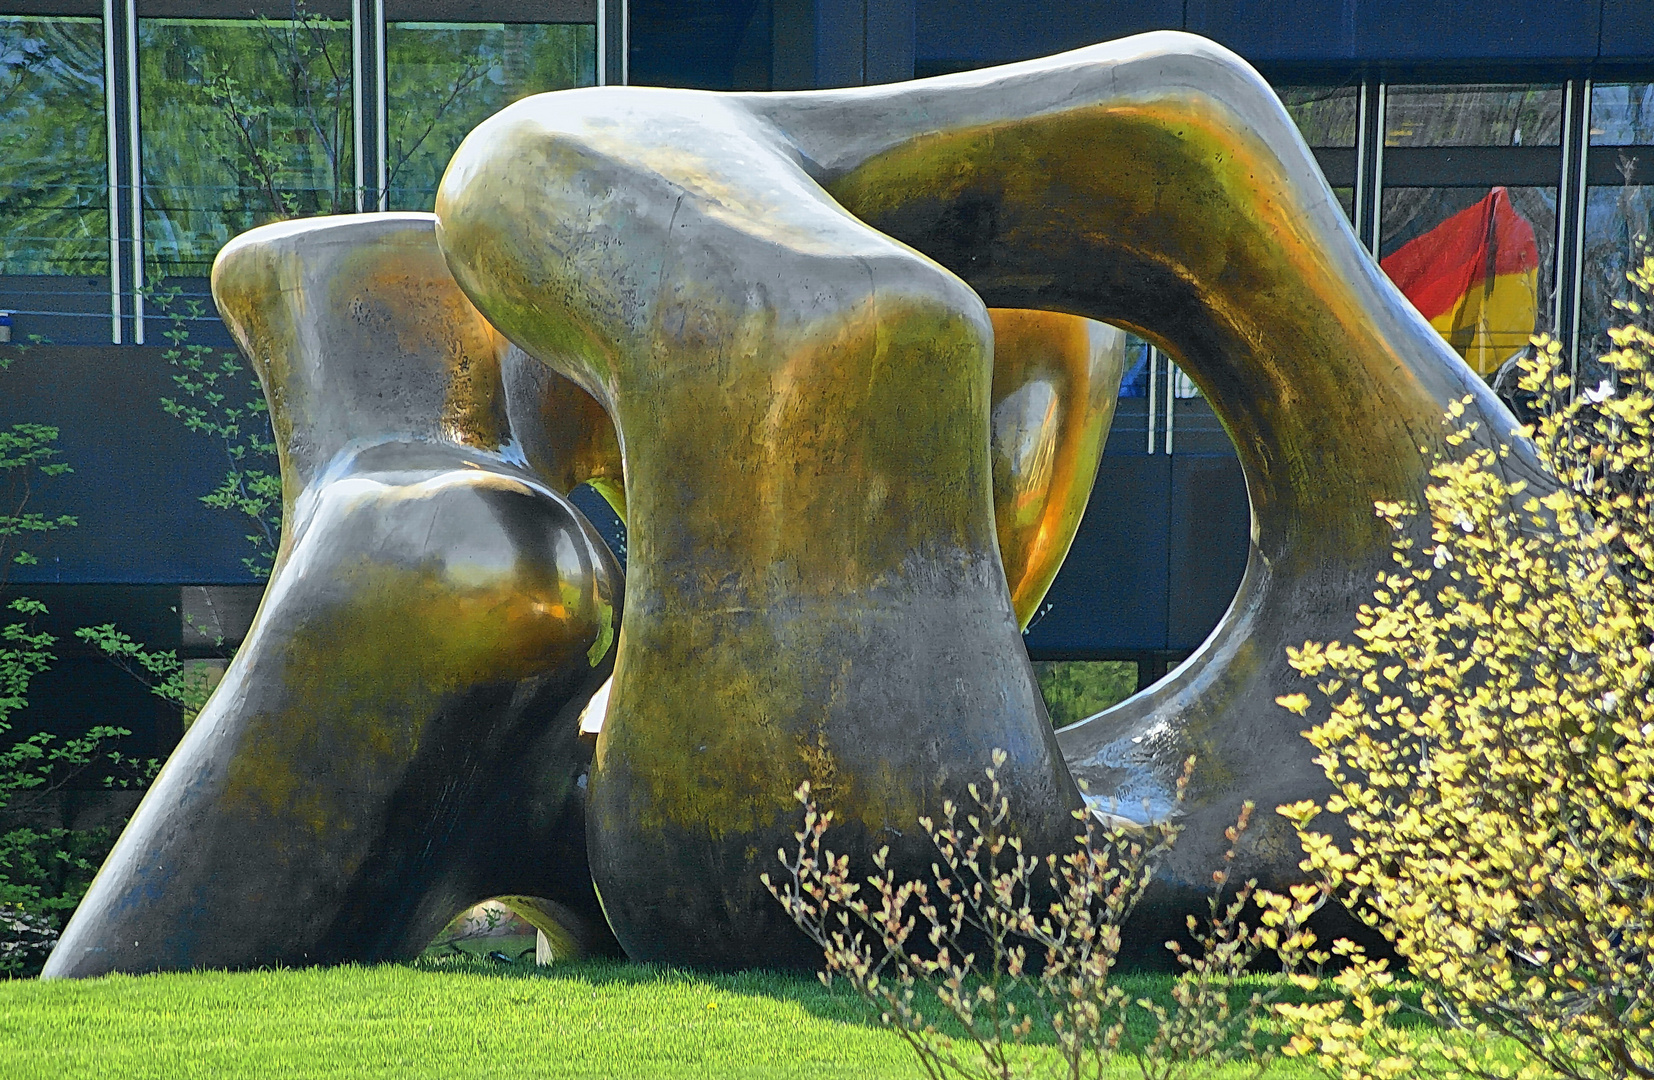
pixel 1228 226
pixel 364 678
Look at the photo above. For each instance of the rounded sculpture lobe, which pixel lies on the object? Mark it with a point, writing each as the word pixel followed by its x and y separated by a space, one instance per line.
pixel 814 586
pixel 397 738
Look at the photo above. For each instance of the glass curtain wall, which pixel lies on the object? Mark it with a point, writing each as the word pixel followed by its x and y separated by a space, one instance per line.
pixel 242 122
pixel 1461 233
pixel 445 78
pixel 54 177
pixel 1619 207
pixel 1328 117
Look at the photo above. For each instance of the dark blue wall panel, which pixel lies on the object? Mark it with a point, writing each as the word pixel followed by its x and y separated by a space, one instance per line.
pixel 1110 596
pixel 973 33
pixel 138 473
pixel 1334 31
pixel 1207 539
pixel 1627 29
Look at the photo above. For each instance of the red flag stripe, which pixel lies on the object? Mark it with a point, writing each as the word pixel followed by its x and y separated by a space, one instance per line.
pixel 1436 269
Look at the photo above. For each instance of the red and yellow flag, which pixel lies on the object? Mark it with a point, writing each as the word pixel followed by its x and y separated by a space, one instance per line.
pixel 1476 278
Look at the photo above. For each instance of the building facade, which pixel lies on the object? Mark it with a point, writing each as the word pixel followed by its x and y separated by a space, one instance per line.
pixel 137 136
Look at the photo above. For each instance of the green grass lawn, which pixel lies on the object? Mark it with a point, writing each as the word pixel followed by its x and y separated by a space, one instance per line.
pixel 456 1020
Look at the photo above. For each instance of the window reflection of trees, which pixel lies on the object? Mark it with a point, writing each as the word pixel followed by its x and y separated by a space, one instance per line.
pixel 1618 216
pixel 54 181
pixel 1328 117
pixel 1325 115
pixel 1483 115
pixel 445 78
pixel 243 122
pixel 1619 220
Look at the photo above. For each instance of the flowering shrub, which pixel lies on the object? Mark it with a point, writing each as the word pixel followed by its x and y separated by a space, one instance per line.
pixel 1490 739
pixel 965 936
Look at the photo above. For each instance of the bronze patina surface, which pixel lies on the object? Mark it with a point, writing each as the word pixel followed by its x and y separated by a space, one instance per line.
pixel 1056 379
pixel 800 397
pixel 1158 184
pixel 814 588
pixel 562 432
pixel 397 737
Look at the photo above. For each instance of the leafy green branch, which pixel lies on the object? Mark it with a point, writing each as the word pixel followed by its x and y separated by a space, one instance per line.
pixel 216 397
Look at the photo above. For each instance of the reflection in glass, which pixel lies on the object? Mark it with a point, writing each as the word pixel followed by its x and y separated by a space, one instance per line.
pixel 1486 115
pixel 1616 219
pixel 1327 118
pixel 1076 689
pixel 1325 115
pixel 1477 263
pixel 1622 114
pixel 54 180
pixel 243 122
pixel 1135 382
pixel 445 78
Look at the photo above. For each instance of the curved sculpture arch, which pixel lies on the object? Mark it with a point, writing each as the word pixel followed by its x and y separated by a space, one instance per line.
pixel 779 300
pixel 635 238
pixel 398 736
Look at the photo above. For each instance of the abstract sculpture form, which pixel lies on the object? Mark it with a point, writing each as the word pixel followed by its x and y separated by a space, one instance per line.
pixel 397 737
pixel 847 485
pixel 800 398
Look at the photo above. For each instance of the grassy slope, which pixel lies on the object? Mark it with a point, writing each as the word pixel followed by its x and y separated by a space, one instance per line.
pixel 596 1020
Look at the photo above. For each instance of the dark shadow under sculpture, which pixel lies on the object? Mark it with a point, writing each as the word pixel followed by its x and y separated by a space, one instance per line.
pixel 397 738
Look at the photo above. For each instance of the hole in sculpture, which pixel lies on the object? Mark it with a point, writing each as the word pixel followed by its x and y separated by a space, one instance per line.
pixel 510 930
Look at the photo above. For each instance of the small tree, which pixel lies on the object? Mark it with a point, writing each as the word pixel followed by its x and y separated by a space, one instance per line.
pixel 998 962
pixel 1491 744
pixel 44 869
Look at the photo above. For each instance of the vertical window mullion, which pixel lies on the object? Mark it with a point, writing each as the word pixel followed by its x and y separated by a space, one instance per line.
pixel 1583 185
pixel 356 104
pixel 381 137
pixel 1377 207
pixel 1171 403
pixel 136 172
pixel 1359 201
pixel 1564 218
pixel 1154 377
pixel 111 115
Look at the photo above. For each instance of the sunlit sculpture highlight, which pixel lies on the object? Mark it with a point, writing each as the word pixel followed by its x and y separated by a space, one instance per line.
pixel 397 737
pixel 757 324
pixel 719 270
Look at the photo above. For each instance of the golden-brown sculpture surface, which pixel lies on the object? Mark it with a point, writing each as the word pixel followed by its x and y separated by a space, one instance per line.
pixel 1056 379
pixel 396 739
pixel 814 587
pixel 674 252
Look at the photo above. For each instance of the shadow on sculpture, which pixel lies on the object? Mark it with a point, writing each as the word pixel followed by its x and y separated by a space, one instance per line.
pixel 801 402
pixel 397 737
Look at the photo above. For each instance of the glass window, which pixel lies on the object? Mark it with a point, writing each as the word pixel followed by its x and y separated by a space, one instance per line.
pixel 243 121
pixel 1474 254
pixel 1486 115
pixel 1076 689
pixel 1619 219
pixel 1328 119
pixel 445 78
pixel 1477 262
pixel 1325 115
pixel 54 179
pixel 1622 114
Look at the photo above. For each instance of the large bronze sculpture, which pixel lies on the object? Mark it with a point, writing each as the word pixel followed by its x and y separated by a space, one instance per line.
pixel 397 738
pixel 847 485
pixel 719 270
